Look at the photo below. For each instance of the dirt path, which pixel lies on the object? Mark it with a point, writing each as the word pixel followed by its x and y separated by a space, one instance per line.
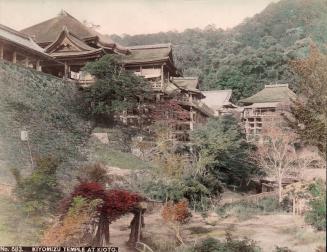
pixel 119 233
pixel 282 230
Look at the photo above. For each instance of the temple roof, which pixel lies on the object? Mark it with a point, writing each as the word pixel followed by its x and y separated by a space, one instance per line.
pixel 147 53
pixel 21 40
pixel 217 99
pixel 187 83
pixel 75 42
pixel 46 32
pixel 184 83
pixel 270 94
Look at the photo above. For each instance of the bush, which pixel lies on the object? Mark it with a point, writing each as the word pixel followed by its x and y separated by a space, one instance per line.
pixel 245 210
pixel 230 245
pixel 316 216
pixel 174 190
pixel 39 192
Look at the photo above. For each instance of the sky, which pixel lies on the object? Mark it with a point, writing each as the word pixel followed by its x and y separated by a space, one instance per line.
pixel 133 16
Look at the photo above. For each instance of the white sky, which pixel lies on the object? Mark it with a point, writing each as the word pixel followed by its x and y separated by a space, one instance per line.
pixel 133 16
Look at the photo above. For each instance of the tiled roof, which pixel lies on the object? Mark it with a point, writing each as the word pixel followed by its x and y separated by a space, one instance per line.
pixel 47 31
pixel 216 99
pixel 187 83
pixel 147 53
pixel 271 93
pixel 77 53
pixel 20 39
pixel 70 36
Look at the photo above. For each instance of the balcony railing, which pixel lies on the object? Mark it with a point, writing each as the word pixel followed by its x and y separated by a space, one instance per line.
pixel 259 114
pixel 156 85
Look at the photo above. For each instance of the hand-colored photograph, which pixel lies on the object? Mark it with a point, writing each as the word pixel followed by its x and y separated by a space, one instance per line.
pixel 163 125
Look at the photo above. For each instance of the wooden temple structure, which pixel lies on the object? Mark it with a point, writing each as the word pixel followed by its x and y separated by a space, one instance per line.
pixel 265 107
pixel 219 102
pixel 19 48
pixel 72 44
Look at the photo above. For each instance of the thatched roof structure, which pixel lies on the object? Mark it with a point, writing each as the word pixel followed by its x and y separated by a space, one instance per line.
pixel 271 94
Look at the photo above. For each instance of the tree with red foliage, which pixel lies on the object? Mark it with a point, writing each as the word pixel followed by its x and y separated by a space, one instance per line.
pixel 175 215
pixel 115 203
pixel 169 112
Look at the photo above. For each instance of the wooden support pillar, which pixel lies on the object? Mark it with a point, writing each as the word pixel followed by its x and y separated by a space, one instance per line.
pixel 38 66
pixel 136 226
pixel 66 70
pixel 1 52
pixel 27 61
pixel 14 57
pixel 162 75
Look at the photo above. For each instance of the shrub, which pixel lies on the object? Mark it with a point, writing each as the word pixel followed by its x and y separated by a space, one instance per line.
pixel 174 190
pixel 230 245
pixel 316 216
pixel 72 230
pixel 245 210
pixel 93 173
pixel 39 192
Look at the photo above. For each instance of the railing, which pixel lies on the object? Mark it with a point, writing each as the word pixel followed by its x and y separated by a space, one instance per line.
pixel 156 85
pixel 259 114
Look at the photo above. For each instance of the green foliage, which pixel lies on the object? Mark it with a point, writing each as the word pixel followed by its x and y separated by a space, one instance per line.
pixel 222 150
pixel 316 216
pixel 80 204
pixel 309 111
pixel 246 210
pixel 39 192
pixel 110 156
pixel 115 89
pixel 250 55
pixel 175 190
pixel 230 245
pixel 49 109
pixel 16 227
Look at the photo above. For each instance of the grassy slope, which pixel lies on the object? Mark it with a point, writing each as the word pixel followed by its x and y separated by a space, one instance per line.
pixel 113 157
pixel 15 227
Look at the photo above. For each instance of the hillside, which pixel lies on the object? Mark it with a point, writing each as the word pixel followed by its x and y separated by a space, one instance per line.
pixel 45 106
pixel 250 55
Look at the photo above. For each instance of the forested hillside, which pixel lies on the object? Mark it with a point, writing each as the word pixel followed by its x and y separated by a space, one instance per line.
pixel 250 55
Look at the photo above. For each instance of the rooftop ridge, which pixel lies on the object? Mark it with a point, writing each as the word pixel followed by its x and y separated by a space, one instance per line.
pixel 154 46
pixel 20 34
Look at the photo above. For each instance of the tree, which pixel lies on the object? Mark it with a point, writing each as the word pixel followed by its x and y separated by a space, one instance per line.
pixel 309 110
pixel 221 150
pixel 316 216
pixel 276 154
pixel 175 215
pixel 115 89
pixel 114 204
pixel 39 192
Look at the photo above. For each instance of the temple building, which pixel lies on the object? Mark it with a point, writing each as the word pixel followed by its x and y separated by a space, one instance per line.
pixel 219 102
pixel 265 107
pixel 72 44
pixel 190 98
pixel 19 48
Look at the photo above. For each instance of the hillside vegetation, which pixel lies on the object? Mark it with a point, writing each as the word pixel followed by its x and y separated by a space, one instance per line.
pixel 250 55
pixel 48 109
